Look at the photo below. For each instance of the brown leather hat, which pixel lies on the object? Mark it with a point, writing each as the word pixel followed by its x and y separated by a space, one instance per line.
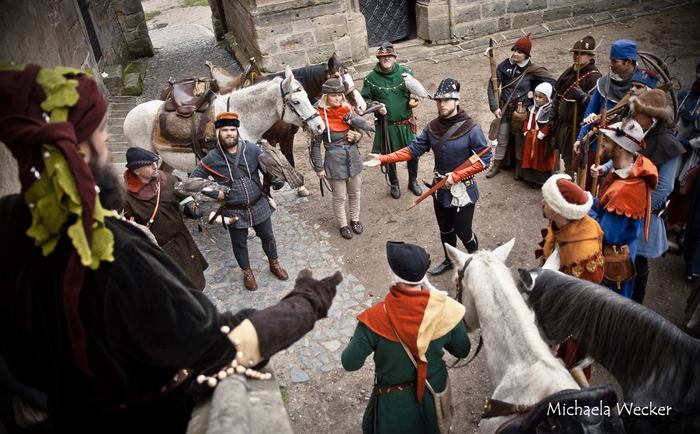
pixel 585 45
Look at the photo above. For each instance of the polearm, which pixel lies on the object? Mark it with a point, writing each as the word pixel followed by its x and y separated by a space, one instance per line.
pixel 494 77
pixel 574 131
pixel 599 142
pixel 466 163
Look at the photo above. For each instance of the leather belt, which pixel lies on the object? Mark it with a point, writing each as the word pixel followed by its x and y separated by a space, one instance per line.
pixel 401 122
pixel 468 182
pixel 381 390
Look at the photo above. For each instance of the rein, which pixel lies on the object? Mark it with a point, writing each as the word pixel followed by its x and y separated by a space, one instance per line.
pixel 460 291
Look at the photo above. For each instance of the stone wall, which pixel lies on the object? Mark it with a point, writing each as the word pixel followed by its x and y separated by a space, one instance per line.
pixel 52 32
pixel 440 21
pixel 278 33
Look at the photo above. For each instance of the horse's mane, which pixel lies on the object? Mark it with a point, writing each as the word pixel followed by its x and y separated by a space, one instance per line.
pixel 633 342
pixel 306 75
pixel 499 276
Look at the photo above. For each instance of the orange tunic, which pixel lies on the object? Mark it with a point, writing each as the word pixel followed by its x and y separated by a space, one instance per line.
pixel 581 255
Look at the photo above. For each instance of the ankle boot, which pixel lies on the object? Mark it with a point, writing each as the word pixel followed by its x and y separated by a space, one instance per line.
pixel 395 191
pixel 442 267
pixel 277 270
pixel 413 186
pixel 249 280
pixel 493 169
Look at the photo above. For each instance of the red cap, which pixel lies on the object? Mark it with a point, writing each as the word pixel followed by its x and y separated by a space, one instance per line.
pixel 524 44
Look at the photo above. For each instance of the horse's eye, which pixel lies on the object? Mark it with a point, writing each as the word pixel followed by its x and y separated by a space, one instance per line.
pixel 296 102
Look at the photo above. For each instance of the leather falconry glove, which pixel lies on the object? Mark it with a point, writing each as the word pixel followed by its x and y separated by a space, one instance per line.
pixel 281 325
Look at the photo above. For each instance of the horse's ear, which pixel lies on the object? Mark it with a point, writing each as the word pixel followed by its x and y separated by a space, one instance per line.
pixel 288 73
pixel 554 261
pixel 455 255
pixel 503 251
pixel 333 62
pixel 527 280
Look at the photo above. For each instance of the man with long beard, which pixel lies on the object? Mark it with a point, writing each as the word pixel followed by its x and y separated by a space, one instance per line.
pixel 93 313
pixel 235 165
pixel 453 137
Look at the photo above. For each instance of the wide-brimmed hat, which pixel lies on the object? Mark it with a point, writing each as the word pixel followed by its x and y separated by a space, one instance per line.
pixel 629 135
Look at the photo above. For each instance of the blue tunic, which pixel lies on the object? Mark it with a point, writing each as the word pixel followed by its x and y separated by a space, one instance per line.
pixel 453 153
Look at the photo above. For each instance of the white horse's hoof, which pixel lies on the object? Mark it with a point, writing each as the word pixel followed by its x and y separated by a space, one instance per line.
pixel 303 191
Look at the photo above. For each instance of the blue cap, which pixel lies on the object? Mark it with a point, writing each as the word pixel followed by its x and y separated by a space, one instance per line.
pixel 622 49
pixel 646 77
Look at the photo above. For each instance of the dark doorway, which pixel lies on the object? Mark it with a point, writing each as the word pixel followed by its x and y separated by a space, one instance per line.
pixel 90 27
pixel 389 20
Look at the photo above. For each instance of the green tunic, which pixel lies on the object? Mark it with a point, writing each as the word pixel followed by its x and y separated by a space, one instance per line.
pixel 389 89
pixel 400 412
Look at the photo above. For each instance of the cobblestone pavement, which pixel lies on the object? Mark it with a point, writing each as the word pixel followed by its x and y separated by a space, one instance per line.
pixel 184 40
pixel 300 245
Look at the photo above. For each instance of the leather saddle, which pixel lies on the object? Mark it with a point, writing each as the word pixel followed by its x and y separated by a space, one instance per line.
pixel 185 119
pixel 571 411
pixel 189 95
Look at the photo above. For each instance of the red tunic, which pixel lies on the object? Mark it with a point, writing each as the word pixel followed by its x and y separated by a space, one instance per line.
pixel 533 156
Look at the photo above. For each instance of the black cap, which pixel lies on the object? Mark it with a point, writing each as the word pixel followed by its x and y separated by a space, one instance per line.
pixel 333 85
pixel 139 157
pixel 408 261
pixel 447 89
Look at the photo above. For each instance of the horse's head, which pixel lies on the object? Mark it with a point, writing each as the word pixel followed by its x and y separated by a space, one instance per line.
pixel 463 262
pixel 336 68
pixel 297 109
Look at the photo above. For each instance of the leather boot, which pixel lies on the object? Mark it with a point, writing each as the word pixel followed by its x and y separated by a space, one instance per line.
pixel 277 270
pixel 493 169
pixel 413 186
pixel 395 191
pixel 249 280
pixel 442 267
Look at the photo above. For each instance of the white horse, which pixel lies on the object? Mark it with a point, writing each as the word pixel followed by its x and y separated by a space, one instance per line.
pixel 520 364
pixel 258 107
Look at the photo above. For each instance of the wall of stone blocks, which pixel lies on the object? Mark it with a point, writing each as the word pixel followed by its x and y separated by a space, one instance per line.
pixel 278 33
pixel 473 18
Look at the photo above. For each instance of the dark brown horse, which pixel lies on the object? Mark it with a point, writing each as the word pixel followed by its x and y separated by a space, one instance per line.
pixel 311 77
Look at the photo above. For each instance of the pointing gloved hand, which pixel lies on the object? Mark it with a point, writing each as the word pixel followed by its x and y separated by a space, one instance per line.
pixel 286 322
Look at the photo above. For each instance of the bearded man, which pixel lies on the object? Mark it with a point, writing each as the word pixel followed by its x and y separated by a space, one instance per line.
pixel 234 164
pixel 94 314
pixel 453 137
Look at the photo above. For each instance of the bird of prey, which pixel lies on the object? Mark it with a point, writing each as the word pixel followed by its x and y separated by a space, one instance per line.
pixel 414 86
pixel 358 122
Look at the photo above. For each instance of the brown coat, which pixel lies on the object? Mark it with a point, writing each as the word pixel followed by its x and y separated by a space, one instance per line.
pixel 168 228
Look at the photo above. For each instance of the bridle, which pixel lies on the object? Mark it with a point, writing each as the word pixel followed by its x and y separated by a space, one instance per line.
pixel 287 102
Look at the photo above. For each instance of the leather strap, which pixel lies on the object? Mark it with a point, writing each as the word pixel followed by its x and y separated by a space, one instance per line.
pixel 155 209
pixel 496 408
pixel 381 390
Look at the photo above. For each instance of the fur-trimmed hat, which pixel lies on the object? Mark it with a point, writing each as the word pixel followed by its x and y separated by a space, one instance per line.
pixel 585 45
pixel 524 45
pixel 652 103
pixel 227 119
pixel 566 198
pixel 447 89
pixel 629 135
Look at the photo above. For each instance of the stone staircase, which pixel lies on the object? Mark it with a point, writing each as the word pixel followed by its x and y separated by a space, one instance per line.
pixel 119 106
